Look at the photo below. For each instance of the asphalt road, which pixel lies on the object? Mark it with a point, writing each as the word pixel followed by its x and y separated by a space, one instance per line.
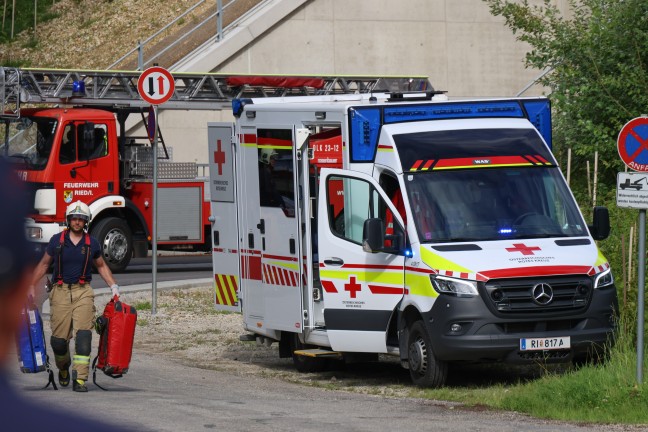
pixel 169 268
pixel 160 395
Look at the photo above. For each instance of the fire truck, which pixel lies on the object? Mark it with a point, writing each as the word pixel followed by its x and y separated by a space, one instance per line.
pixel 69 133
pixel 405 224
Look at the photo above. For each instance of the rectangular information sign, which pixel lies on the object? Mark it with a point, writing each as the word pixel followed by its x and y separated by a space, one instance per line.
pixel 632 190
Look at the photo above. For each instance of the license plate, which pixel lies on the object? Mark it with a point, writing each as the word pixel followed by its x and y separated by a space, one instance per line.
pixel 542 344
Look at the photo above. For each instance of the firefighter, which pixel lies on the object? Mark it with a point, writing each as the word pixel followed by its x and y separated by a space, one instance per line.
pixel 19 413
pixel 72 253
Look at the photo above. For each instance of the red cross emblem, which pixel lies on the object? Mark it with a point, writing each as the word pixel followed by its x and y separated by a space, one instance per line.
pixel 219 157
pixel 353 287
pixel 525 250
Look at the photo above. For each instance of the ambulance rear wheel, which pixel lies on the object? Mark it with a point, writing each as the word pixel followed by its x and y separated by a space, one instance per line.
pixel 425 369
pixel 306 364
pixel 116 239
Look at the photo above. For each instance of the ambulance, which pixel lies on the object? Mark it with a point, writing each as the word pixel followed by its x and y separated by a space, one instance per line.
pixel 406 224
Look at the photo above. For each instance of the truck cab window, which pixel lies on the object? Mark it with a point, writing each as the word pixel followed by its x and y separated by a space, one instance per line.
pixel 67 153
pixel 99 144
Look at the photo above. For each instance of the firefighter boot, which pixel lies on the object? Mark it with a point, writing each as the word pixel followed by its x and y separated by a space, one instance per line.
pixel 78 385
pixel 62 358
pixel 64 377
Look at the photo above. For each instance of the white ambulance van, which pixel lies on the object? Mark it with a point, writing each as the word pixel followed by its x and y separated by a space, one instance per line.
pixel 409 225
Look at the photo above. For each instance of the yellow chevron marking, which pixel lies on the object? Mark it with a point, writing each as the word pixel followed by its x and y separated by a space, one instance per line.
pixel 437 262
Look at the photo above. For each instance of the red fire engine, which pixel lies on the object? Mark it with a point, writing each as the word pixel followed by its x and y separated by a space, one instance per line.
pixel 67 131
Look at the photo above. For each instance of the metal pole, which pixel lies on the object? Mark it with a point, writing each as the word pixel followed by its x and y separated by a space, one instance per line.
pixel 140 59
pixel 640 298
pixel 219 21
pixel 155 207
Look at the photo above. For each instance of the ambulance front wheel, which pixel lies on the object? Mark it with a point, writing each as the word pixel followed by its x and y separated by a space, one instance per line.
pixel 116 240
pixel 425 369
pixel 306 364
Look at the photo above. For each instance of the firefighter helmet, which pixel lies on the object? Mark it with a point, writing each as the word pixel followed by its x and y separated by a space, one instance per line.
pixel 79 210
pixel 266 155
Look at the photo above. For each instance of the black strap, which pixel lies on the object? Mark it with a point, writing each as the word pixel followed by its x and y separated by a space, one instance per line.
pixel 94 373
pixel 50 373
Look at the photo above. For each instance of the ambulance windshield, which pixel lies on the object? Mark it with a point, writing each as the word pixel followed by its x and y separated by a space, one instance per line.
pixel 30 141
pixel 492 204
pixel 476 185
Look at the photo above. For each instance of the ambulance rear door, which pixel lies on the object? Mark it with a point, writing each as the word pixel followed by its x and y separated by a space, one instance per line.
pixel 224 217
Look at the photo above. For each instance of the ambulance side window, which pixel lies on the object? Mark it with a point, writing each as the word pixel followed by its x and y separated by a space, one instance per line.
pixel 351 201
pixel 276 169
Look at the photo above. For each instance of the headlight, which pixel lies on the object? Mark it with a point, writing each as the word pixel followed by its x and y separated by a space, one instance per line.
pixel 34 233
pixel 604 279
pixel 458 287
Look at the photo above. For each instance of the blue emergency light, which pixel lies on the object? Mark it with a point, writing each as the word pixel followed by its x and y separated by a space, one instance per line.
pixel 78 88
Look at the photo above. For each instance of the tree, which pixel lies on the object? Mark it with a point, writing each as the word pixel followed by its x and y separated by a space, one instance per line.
pixel 598 62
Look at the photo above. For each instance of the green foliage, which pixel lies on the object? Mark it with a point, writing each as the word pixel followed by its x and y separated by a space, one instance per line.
pixel 597 55
pixel 599 71
pixel 24 17
pixel 142 305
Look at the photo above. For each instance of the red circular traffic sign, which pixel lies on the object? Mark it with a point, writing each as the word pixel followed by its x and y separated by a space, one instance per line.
pixel 156 85
pixel 632 144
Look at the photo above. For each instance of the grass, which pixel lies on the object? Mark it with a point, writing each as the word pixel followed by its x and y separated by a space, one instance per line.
pixel 24 17
pixel 604 393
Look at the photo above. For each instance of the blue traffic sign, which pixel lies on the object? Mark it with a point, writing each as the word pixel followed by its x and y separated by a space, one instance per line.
pixel 633 144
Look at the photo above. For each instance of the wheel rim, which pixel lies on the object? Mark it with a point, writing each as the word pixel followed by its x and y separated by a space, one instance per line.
pixel 418 356
pixel 115 246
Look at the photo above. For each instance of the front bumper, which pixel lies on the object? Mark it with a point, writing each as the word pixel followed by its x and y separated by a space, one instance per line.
pixel 483 336
pixel 47 230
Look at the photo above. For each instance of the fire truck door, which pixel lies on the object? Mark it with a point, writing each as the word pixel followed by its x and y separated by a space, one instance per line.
pixel 224 217
pixel 85 171
pixel 361 289
pixel 278 226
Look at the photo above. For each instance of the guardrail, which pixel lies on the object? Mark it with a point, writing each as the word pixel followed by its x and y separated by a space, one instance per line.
pixel 218 36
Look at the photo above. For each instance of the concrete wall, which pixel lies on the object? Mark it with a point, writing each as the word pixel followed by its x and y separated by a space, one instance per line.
pixel 456 43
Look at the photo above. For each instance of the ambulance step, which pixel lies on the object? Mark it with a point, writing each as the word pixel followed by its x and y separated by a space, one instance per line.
pixel 319 353
pixel 247 338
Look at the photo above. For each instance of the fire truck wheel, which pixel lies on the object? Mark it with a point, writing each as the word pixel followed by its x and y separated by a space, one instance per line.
pixel 425 369
pixel 303 363
pixel 114 235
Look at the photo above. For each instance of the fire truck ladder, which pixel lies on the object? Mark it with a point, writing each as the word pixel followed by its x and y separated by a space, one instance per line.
pixel 192 90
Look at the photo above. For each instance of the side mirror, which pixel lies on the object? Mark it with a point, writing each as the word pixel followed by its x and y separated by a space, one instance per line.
pixel 373 235
pixel 600 228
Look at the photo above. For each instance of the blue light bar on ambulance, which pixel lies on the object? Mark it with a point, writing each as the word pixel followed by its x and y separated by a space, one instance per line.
pixel 457 110
pixel 365 122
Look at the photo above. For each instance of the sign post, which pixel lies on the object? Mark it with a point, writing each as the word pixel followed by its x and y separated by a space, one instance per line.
pixel 632 192
pixel 156 86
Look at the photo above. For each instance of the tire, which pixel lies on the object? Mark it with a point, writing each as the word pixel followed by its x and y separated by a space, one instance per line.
pixel 425 369
pixel 116 241
pixel 306 364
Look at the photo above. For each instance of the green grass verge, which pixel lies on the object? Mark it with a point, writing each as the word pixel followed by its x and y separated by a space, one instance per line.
pixel 605 393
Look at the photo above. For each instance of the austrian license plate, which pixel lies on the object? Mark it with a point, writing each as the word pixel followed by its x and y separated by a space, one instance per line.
pixel 537 344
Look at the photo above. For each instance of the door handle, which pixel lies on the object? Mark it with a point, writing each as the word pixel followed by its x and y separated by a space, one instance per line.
pixel 334 261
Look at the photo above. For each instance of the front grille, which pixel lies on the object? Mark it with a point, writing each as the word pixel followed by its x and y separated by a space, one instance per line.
pixel 568 293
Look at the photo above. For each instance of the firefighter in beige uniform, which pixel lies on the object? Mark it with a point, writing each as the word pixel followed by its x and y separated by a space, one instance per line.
pixel 72 300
